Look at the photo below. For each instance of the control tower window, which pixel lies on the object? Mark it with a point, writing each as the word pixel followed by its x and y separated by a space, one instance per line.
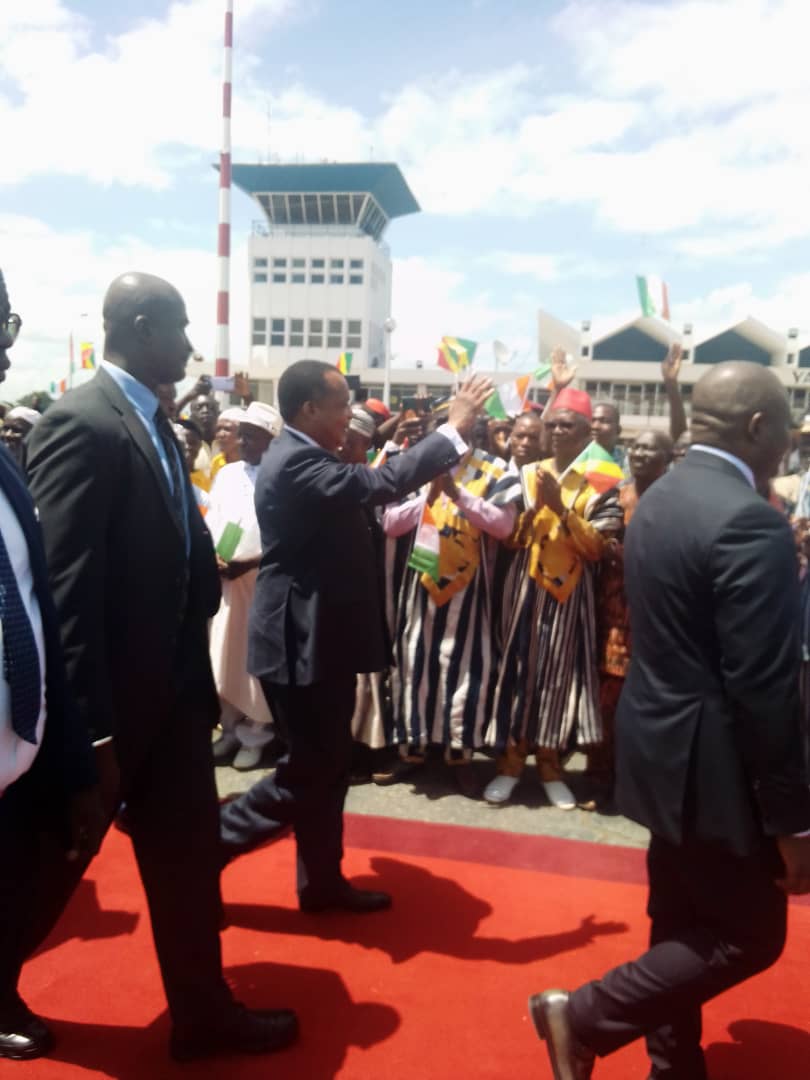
pixel 344 210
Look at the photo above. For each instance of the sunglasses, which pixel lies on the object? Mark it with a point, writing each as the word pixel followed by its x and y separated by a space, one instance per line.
pixel 11 327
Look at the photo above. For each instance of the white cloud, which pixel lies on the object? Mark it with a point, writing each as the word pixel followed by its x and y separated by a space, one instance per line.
pixel 56 282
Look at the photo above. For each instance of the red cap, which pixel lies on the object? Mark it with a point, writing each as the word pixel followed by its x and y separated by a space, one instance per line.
pixel 378 407
pixel 577 401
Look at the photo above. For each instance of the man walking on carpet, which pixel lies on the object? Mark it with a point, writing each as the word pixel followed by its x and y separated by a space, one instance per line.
pixel 317 619
pixel 135 582
pixel 708 748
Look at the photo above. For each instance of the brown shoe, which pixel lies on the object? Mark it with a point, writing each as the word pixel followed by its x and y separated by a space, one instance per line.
pixel 570 1060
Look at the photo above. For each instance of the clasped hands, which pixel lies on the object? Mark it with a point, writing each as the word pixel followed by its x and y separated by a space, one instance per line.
pixel 549 492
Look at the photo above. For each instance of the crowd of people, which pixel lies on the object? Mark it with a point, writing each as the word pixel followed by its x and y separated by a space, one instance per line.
pixel 360 588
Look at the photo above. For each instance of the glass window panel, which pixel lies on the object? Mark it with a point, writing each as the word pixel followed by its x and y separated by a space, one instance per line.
pixel 327 209
pixel 296 209
pixel 298 279
pixel 299 263
pixel 317 279
pixel 335 326
pixel 352 342
pixel 315 341
pixel 260 262
pixel 296 326
pixel 356 264
pixel 259 279
pixel 279 209
pixel 336 279
pixel 259 339
pixel 279 279
pixel 277 326
pixel 316 326
pixel 336 264
pixel 311 210
pixel 344 210
pixel 335 342
pixel 355 279
pixel 279 262
pixel 296 340
pixel 318 264
pixel 354 326
pixel 357 205
pixel 260 324
pixel 276 339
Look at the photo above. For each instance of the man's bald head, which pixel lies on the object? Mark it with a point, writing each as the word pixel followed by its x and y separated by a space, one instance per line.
pixel 145 328
pixel 742 408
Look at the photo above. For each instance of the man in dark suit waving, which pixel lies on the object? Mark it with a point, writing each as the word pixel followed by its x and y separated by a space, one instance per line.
pixel 135 581
pixel 317 617
pixel 708 739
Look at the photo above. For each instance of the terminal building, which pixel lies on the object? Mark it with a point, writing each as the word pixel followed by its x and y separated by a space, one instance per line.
pixel 624 365
pixel 320 271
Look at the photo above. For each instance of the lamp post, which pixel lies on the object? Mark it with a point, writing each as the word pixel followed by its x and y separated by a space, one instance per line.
pixel 389 326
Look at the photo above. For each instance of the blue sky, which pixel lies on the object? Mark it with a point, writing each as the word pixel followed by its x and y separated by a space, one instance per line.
pixel 557 148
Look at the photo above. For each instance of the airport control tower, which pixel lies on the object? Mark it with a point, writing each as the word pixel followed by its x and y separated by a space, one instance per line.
pixel 320 273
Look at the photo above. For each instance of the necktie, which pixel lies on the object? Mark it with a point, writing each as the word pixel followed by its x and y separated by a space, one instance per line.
pixel 20 657
pixel 170 446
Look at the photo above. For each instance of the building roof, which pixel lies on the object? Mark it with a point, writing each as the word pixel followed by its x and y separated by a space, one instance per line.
pixel 748 340
pixel 383 180
pixel 646 339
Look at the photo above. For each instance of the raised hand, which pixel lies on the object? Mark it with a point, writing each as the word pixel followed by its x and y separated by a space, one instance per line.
pixel 548 492
pixel 468 402
pixel 562 372
pixel 671 364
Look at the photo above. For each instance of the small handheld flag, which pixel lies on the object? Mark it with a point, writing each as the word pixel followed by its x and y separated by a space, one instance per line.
pixel 425 554
pixel 456 354
pixel 598 467
pixel 542 375
pixel 508 399
pixel 653 296
pixel 88 356
pixel 344 363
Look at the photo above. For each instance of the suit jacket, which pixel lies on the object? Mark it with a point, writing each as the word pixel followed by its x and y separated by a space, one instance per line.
pixel 708 737
pixel 65 759
pixel 133 605
pixel 317 609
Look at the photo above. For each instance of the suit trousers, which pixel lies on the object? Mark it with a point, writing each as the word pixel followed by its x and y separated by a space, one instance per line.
pixel 716 919
pixel 308 788
pixel 173 810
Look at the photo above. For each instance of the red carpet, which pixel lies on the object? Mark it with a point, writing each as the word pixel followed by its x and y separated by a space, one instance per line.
pixel 435 989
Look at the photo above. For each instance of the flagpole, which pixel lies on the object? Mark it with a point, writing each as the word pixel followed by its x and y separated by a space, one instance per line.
pixel 71 364
pixel 223 347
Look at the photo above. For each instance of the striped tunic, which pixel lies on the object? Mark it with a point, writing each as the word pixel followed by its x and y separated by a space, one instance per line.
pixel 443 653
pixel 547 688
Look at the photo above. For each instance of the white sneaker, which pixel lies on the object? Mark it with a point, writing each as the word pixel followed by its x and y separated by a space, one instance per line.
pixel 499 791
pixel 559 794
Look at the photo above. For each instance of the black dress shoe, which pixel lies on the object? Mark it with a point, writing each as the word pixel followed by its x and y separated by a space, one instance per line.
pixel 240 1031
pixel 346 898
pixel 570 1059
pixel 22 1034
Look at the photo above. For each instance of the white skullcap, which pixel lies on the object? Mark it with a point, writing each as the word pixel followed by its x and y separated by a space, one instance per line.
pixel 22 412
pixel 235 413
pixel 263 416
pixel 362 422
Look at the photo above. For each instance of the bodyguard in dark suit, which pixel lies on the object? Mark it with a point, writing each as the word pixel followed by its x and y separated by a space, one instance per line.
pixel 135 581
pixel 317 618
pixel 708 746
pixel 50 810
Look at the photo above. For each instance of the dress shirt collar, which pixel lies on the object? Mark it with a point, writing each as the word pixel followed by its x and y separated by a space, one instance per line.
pixel 300 435
pixel 732 459
pixel 138 395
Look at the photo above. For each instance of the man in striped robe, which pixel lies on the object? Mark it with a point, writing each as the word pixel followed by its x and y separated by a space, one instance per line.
pixel 442 630
pixel 547 692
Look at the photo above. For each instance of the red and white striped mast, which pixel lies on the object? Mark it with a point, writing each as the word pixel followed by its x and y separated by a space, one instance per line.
pixel 224 233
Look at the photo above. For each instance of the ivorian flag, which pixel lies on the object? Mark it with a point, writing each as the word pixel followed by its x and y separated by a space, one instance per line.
pixel 425 554
pixel 344 363
pixel 59 387
pixel 456 354
pixel 88 356
pixel 543 375
pixel 653 296
pixel 508 399
pixel 598 467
